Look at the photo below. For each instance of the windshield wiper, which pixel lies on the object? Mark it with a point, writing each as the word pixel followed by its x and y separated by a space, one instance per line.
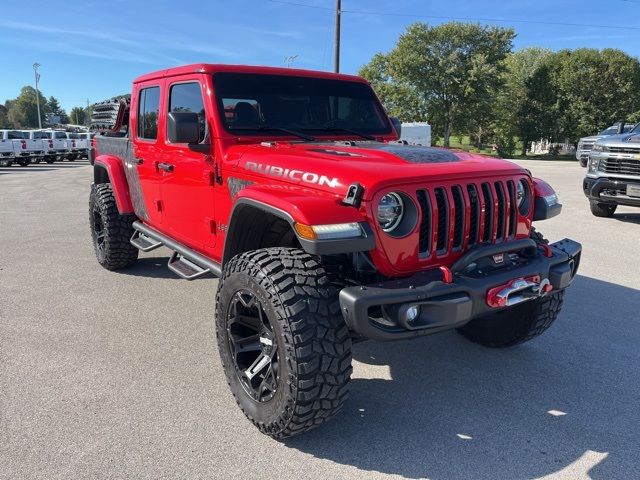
pixel 332 128
pixel 268 128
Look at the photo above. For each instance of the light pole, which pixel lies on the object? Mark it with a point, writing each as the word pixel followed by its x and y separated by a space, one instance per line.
pixel 35 70
pixel 289 60
pixel 336 54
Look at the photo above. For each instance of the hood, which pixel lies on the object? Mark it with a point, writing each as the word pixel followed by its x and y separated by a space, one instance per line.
pixel 626 139
pixel 333 166
pixel 591 139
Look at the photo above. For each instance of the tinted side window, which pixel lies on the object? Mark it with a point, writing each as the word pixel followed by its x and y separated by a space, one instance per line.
pixel 148 107
pixel 187 97
pixel 15 135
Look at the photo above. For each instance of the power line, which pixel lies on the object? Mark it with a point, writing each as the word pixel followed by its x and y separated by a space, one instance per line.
pixel 465 19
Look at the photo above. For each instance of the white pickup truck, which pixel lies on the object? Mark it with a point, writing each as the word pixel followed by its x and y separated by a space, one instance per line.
pixel 59 146
pixel 83 143
pixel 74 146
pixel 24 149
pixel 42 143
pixel 7 155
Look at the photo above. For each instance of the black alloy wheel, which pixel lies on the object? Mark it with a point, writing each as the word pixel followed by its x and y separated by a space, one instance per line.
pixel 253 346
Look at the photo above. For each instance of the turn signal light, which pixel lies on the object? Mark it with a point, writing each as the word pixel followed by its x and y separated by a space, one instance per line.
pixel 305 231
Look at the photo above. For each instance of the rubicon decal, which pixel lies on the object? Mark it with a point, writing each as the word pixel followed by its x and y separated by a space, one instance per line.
pixel 295 175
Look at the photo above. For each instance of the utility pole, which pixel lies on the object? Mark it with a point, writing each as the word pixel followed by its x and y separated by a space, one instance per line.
pixel 35 70
pixel 336 54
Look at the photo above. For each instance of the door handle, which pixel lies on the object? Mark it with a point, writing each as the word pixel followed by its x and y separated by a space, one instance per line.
pixel 167 167
pixel 139 161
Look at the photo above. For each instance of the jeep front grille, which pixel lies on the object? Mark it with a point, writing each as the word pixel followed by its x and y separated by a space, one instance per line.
pixel 454 218
pixel 620 166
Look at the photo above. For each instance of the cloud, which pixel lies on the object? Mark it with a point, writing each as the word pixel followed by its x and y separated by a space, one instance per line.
pixel 30 27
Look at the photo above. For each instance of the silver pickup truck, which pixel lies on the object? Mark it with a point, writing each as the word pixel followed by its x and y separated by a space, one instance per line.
pixel 613 174
pixel 586 143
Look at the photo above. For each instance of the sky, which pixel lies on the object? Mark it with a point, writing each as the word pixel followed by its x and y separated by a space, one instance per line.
pixel 91 50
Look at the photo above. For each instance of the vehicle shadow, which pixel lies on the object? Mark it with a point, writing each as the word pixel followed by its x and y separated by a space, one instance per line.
pixel 152 267
pixel 43 167
pixel 441 407
pixel 628 217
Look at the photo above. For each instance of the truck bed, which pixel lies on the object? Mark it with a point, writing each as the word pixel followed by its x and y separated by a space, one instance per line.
pixel 122 148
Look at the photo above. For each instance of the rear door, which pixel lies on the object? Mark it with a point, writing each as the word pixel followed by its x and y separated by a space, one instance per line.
pixel 142 172
pixel 187 182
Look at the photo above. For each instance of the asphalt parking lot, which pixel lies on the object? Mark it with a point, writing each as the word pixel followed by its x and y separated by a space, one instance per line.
pixel 116 375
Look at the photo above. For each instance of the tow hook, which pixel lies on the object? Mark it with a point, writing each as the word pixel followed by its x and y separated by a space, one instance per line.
pixel 517 291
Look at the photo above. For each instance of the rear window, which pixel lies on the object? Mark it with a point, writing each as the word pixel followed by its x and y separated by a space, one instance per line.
pixel 59 135
pixel 148 108
pixel 16 135
pixel 40 135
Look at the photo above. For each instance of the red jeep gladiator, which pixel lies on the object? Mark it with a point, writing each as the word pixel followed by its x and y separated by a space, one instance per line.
pixel 291 186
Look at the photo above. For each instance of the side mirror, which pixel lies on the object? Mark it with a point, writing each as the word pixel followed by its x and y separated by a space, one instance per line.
pixel 183 127
pixel 397 124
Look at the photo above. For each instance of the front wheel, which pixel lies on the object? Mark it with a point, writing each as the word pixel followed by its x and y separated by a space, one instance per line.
pixel 515 325
pixel 284 345
pixel 602 209
pixel 110 231
pixel 6 163
pixel 23 163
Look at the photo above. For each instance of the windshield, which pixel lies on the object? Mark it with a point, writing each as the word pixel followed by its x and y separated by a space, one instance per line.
pixel 252 104
pixel 613 129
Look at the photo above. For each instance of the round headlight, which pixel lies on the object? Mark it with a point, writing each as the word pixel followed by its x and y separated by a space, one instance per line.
pixel 523 197
pixel 390 211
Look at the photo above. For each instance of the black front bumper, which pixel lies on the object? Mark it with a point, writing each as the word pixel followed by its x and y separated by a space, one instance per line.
pixel 448 305
pixel 610 191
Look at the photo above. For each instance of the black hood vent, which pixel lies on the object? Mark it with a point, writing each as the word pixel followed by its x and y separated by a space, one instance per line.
pixel 409 153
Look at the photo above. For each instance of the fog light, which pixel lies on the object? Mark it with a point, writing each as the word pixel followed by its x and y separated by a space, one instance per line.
pixel 412 313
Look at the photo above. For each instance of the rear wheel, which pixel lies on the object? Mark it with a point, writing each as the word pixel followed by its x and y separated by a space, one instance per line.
pixel 6 163
pixel 602 209
pixel 50 159
pixel 24 163
pixel 583 162
pixel 284 345
pixel 110 231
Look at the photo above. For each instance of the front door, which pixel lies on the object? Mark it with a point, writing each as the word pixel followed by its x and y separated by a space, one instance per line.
pixel 187 180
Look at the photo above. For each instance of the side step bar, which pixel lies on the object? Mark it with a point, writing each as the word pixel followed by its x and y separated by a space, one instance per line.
pixel 185 262
pixel 144 243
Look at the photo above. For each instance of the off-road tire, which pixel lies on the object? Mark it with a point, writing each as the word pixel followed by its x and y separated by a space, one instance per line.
pixel 515 325
pixel 311 338
pixel 602 209
pixel 116 251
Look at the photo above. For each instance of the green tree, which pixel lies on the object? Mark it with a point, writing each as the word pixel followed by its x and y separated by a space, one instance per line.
pixel 4 117
pixel 53 107
pixel 524 105
pixel 400 99
pixel 454 67
pixel 23 111
pixel 77 115
pixel 595 88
